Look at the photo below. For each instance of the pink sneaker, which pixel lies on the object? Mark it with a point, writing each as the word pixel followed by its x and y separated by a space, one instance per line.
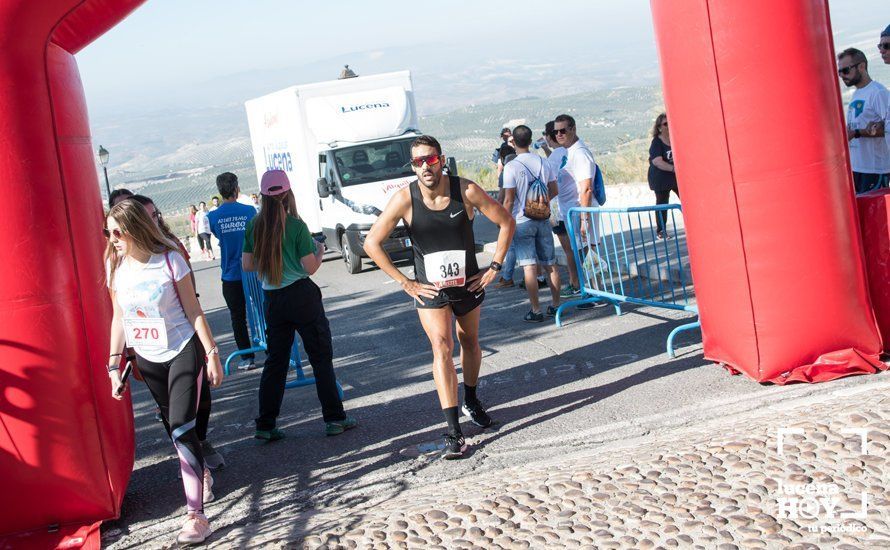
pixel 195 530
pixel 208 486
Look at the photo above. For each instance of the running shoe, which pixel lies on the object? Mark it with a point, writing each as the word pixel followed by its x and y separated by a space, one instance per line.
pixel 195 530
pixel 269 435
pixel 212 458
pixel 588 305
pixel 532 317
pixel 208 486
pixel 455 445
pixel 551 311
pixel 505 283
pixel 663 235
pixel 477 414
pixel 247 364
pixel 568 291
pixel 339 426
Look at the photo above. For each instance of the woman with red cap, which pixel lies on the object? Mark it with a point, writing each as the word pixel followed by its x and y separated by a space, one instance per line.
pixel 279 247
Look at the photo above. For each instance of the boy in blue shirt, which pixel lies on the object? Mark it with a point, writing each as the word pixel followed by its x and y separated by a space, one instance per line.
pixel 228 223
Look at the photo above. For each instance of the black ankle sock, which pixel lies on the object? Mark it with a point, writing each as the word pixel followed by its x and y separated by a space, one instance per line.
pixel 451 417
pixel 469 394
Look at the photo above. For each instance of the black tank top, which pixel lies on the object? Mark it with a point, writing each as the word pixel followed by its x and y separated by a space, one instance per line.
pixel 442 239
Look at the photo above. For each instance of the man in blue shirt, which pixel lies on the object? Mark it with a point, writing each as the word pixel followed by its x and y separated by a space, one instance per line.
pixel 228 223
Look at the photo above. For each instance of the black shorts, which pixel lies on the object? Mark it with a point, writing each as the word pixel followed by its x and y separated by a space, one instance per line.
pixel 560 228
pixel 461 300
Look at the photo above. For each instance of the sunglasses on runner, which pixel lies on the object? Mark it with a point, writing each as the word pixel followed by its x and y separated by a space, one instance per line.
pixel 884 46
pixel 430 160
pixel 560 131
pixel 117 233
pixel 846 70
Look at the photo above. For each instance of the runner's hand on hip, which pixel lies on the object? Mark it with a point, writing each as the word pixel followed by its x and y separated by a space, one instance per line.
pixel 481 279
pixel 214 370
pixel 416 289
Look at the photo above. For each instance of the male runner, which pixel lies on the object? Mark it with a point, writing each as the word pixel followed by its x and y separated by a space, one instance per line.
pixel 438 210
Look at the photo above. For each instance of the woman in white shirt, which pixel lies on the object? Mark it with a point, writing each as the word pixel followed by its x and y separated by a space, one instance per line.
pixel 156 313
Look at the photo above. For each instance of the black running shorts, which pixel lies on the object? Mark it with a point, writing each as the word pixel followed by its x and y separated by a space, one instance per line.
pixel 461 300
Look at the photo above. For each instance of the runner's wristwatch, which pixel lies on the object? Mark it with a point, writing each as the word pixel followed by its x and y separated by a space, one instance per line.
pixel 495 266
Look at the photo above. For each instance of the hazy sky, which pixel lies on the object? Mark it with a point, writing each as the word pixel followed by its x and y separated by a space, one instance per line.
pixel 169 49
pixel 171 44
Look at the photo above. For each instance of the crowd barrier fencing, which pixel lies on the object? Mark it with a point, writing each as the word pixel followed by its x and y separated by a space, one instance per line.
pixel 621 258
pixel 256 324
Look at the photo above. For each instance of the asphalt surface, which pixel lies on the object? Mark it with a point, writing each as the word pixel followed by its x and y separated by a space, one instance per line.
pixel 599 379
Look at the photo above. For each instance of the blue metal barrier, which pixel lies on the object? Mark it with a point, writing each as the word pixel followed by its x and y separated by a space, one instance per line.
pixel 256 324
pixel 622 258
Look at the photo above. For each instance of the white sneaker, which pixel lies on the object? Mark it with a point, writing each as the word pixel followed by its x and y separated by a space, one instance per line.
pixel 208 486
pixel 247 364
pixel 195 530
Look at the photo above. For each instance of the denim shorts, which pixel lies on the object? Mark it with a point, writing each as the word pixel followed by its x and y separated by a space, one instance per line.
pixel 533 242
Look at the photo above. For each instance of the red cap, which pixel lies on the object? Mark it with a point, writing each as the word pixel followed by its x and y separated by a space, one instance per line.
pixel 274 182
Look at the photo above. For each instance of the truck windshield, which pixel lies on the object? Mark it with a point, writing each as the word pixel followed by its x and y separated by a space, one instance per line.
pixel 374 162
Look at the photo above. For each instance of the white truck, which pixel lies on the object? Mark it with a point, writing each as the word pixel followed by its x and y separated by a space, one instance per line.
pixel 345 145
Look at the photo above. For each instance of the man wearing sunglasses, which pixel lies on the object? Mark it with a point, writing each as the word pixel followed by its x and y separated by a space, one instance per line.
pixel 438 210
pixel 866 115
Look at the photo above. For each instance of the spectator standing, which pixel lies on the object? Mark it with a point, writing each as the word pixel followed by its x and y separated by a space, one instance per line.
pixel 580 166
pixel 566 198
pixel 278 246
pixel 533 239
pixel 884 45
pixel 866 116
pixel 156 312
pixel 193 211
pixel 202 225
pixel 214 203
pixel 228 223
pixel 256 201
pixel 662 178
pixel 212 458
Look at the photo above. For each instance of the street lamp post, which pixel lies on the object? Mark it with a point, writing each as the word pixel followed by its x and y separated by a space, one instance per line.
pixel 103 160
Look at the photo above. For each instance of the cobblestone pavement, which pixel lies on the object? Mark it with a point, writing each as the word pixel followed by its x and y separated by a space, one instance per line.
pixel 717 485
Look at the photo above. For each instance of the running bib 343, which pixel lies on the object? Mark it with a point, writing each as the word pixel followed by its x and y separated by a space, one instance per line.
pixel 144 332
pixel 446 268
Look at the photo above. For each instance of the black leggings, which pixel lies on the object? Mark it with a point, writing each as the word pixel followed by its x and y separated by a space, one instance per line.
pixel 204 241
pixel 662 197
pixel 176 387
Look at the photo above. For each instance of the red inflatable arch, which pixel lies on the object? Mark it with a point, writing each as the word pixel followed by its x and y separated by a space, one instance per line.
pixel 773 238
pixel 768 200
pixel 66 447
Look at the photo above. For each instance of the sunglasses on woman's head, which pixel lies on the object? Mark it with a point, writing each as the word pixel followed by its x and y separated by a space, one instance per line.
pixel 117 233
pixel 430 160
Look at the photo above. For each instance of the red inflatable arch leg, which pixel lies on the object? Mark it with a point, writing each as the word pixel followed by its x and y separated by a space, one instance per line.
pixel 767 195
pixel 66 447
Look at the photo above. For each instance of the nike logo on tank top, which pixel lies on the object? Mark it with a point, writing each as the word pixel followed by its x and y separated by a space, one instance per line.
pixel 442 240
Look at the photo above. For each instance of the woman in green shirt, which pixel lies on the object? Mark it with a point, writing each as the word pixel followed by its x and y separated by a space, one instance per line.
pixel 278 246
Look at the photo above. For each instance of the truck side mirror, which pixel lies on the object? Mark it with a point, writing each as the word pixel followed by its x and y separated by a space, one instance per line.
pixel 452 166
pixel 324 188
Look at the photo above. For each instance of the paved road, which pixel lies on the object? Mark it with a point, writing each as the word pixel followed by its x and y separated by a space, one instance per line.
pixel 598 380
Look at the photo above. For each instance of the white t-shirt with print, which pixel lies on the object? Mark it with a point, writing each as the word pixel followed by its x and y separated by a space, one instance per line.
pixel 146 291
pixel 869 104
pixel 519 173
pixel 202 222
pixel 568 190
pixel 580 165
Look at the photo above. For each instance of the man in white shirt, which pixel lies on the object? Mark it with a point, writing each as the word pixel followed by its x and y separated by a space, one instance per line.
pixel 533 240
pixel 567 198
pixel 579 165
pixel 866 116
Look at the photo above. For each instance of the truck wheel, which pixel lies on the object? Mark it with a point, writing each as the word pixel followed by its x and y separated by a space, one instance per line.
pixel 353 262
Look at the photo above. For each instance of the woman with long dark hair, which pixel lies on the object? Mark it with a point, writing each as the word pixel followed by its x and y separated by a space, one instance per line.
pixel 157 314
pixel 279 247
pixel 662 179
